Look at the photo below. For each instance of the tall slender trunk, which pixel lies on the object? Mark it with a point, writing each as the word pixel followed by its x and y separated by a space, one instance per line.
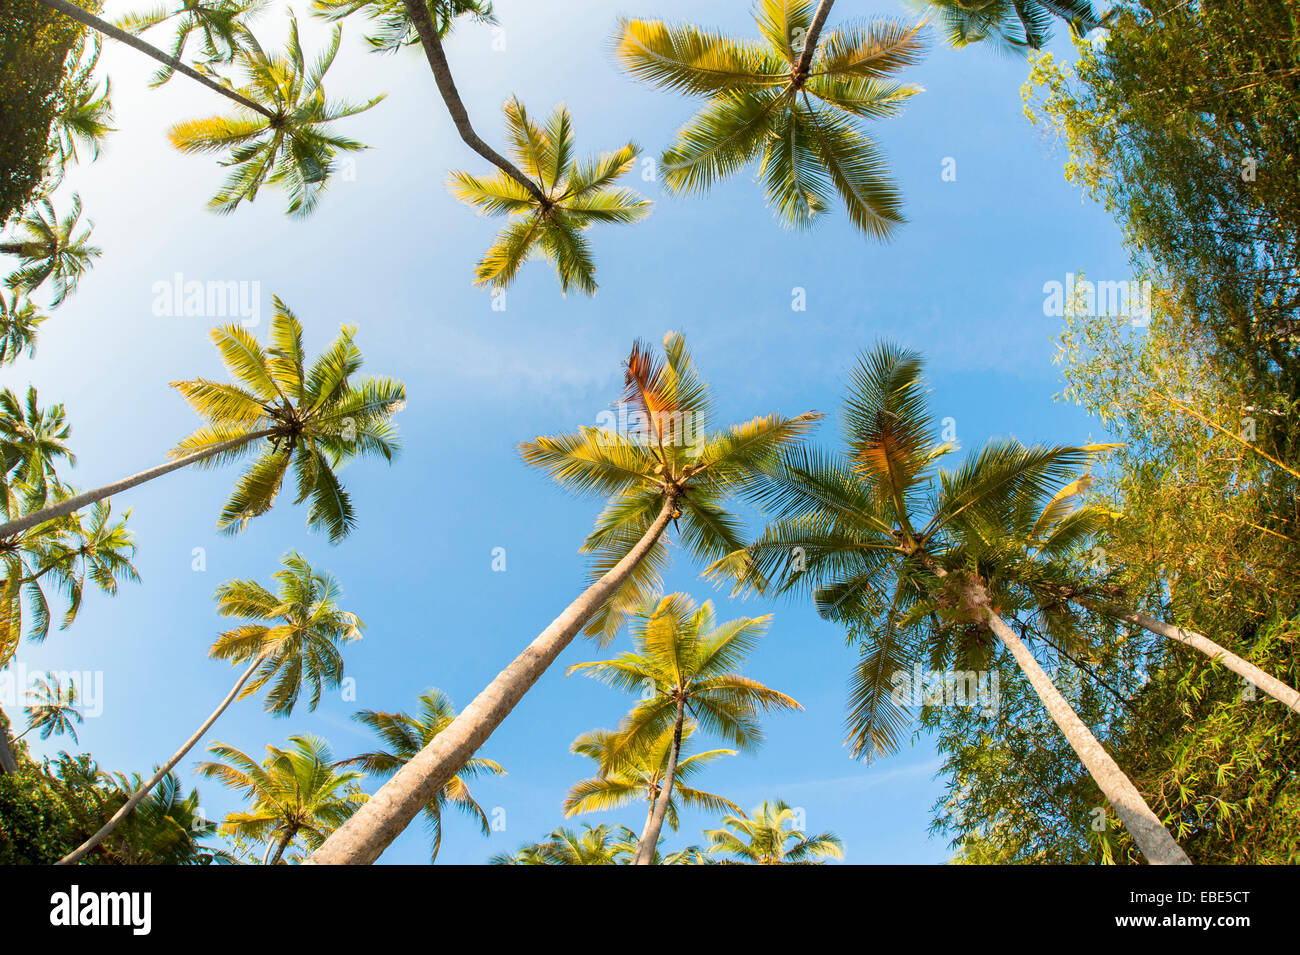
pixel 645 850
pixel 418 12
pixel 8 762
pixel 25 249
pixel 1155 841
pixel 1274 687
pixel 283 844
pixel 78 501
pixel 167 767
pixel 814 33
pixel 379 821
pixel 92 22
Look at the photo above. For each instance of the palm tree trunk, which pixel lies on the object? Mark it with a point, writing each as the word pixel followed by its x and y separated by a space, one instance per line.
pixel 1274 687
pixel 418 12
pixel 167 767
pixel 283 844
pixel 92 22
pixel 24 249
pixel 8 762
pixel 1143 825
pixel 78 501
pixel 810 41
pixel 645 849
pixel 379 821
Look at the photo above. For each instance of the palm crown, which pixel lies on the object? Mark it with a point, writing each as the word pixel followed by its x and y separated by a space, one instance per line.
pixel 313 418
pixel 681 654
pixel 288 142
pixel 626 773
pixel 51 249
pixel 404 736
pixel 19 323
pixel 865 531
pixel 54 711
pixel 296 792
pixel 218 25
pixel 1015 24
pixel 297 631
pixel 667 452
pixel 793 110
pixel 32 440
pixel 769 837
pixel 393 26
pixel 577 195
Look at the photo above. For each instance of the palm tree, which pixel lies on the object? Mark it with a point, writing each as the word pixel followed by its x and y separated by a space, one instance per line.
pixel 313 418
pixel 19 321
pixel 573 197
pixel 292 640
pixel 217 24
pixel 296 793
pixel 790 103
pixel 394 27
pixel 61 553
pixel 637 772
pixel 54 710
pixel 85 114
pixel 769 837
pixel 1014 24
pixel 670 467
pixel 855 533
pixel 685 660
pixel 32 441
pixel 596 845
pixel 404 736
pixel 1031 544
pixel 51 248
pixel 291 144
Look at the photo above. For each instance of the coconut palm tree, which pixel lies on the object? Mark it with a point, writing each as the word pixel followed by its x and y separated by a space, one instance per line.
pixel 50 248
pixel 394 28
pixel 19 321
pixel 769 837
pixel 1032 541
pixel 313 418
pixel 292 640
pixel 404 736
pixel 218 26
pixel 873 535
pixel 637 772
pixel 595 845
pixel 290 145
pixel 61 554
pixel 791 103
pixel 85 114
pixel 296 793
pixel 666 466
pixel 574 196
pixel 54 710
pixel 1013 24
pixel 685 661
pixel 33 440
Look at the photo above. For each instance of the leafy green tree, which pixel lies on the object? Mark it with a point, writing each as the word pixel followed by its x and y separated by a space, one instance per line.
pixel 314 418
pixel 672 467
pixel 1009 24
pixel 638 771
pixel 770 837
pixel 595 845
pixel 685 661
pixel 19 323
pixel 217 25
pixel 293 640
pixel 33 442
pixel 790 103
pixel 876 537
pixel 405 735
pixel 54 711
pixel 297 793
pixel 50 249
pixel 574 197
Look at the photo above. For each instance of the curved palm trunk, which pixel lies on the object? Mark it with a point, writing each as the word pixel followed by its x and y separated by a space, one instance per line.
pixel 1143 825
pixel 645 849
pixel 1274 687
pixel 167 767
pixel 8 762
pixel 282 845
pixel 78 501
pixel 814 32
pixel 418 12
pixel 92 22
pixel 379 821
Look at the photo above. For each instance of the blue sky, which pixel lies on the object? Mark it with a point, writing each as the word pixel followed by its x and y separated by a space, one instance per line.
pixel 392 252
